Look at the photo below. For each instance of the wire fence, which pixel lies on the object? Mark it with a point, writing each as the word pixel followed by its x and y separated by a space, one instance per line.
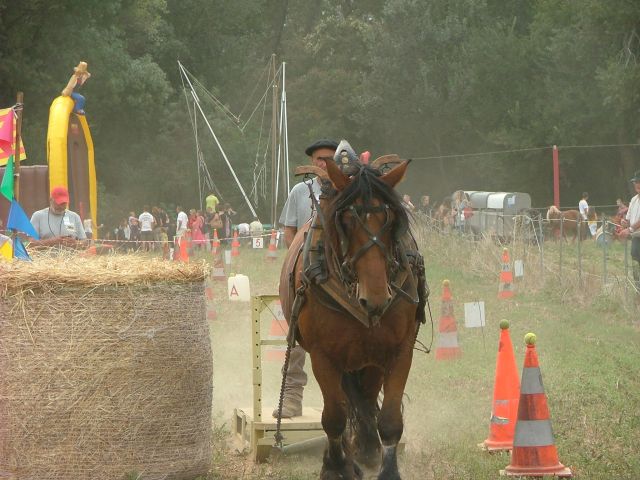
pixel 562 253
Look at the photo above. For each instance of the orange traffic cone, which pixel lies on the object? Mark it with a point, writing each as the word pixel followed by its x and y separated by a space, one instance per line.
pixel 187 236
pixel 272 253
pixel 215 243
pixel 235 244
pixel 277 331
pixel 183 254
pixel 534 453
pixel 505 290
pixel 506 392
pixel 447 347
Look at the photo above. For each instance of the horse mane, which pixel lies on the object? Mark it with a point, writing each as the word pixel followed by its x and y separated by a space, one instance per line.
pixel 553 211
pixel 366 185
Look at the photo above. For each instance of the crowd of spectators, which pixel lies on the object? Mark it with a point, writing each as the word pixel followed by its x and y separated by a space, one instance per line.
pixel 154 229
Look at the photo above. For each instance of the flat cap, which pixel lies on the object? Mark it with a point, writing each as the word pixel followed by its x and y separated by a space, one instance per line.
pixel 324 143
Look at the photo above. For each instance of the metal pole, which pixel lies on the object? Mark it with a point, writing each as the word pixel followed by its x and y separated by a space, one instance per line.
pixel 215 138
pixel 556 177
pixel 274 138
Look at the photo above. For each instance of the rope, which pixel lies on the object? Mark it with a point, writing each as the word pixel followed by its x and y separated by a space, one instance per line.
pixel 529 149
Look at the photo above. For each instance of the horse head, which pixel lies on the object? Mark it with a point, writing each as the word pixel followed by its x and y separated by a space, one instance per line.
pixel 364 222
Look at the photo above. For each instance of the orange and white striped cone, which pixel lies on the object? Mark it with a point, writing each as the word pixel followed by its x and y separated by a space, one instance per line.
pixel 235 245
pixel 272 252
pixel 505 290
pixel 447 347
pixel 215 243
pixel 278 330
pixel 506 393
pixel 534 453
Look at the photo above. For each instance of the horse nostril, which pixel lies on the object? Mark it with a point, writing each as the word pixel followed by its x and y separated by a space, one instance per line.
pixel 363 302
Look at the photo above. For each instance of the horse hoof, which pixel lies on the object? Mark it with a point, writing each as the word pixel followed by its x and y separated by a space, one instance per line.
pixel 346 473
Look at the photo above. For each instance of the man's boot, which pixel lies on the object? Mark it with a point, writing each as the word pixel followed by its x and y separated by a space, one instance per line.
pixel 294 384
pixel 291 403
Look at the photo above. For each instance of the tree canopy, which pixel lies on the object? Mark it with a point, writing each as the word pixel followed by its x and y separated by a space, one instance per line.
pixel 426 80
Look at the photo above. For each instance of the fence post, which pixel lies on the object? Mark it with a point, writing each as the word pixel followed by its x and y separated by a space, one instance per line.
pixel 626 272
pixel 561 242
pixel 604 253
pixel 579 252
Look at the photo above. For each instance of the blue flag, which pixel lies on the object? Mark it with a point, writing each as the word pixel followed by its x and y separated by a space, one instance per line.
pixel 19 251
pixel 18 221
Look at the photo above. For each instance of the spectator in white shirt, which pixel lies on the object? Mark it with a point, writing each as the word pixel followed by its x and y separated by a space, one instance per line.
pixel 146 222
pixel 182 222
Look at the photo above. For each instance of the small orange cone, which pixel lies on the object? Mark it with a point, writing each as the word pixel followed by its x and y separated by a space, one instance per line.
pixel 447 347
pixel 187 236
pixel 505 290
pixel 506 392
pixel 272 253
pixel 183 254
pixel 277 331
pixel 235 244
pixel 534 453
pixel 215 243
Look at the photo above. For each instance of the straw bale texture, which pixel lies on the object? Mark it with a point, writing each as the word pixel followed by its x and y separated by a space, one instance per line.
pixel 105 369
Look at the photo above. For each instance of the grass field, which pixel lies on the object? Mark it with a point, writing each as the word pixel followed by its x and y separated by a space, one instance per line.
pixel 587 345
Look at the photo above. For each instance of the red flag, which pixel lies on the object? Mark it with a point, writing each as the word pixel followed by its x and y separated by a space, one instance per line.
pixel 6 129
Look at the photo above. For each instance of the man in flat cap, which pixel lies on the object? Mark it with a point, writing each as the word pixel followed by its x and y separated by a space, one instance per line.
pixel 296 212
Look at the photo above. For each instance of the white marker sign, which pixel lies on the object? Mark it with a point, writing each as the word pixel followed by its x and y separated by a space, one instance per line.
pixel 474 314
pixel 518 268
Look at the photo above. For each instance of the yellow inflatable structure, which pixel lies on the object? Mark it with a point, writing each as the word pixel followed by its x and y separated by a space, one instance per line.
pixel 71 157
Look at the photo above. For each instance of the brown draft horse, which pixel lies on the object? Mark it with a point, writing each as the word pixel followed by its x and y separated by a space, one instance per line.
pixel 359 320
pixel 569 221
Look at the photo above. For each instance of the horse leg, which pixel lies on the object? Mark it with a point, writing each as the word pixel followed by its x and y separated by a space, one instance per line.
pixel 390 423
pixel 362 389
pixel 338 461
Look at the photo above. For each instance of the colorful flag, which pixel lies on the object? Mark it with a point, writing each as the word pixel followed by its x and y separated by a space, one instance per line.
pixel 6 251
pixel 7 138
pixel 6 129
pixel 18 221
pixel 20 251
pixel 6 187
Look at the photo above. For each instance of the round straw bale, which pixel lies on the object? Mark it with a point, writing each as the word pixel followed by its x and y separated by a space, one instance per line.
pixel 105 370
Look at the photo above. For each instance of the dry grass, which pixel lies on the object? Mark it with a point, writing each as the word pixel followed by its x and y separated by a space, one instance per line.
pixel 69 269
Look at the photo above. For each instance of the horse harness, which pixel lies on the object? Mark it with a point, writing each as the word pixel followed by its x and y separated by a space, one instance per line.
pixel 334 281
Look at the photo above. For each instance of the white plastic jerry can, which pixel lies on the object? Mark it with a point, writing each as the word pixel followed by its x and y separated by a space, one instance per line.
pixel 238 288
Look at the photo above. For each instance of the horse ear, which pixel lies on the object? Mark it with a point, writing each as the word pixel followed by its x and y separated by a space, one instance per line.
pixel 396 174
pixel 339 179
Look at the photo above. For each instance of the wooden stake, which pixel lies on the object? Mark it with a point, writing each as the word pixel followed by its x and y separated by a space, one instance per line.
pixel 16 151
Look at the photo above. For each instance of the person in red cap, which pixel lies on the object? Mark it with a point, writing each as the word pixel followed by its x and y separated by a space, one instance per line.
pixel 55 224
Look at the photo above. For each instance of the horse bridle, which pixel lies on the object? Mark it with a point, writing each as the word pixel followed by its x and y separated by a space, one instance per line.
pixel 347 267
